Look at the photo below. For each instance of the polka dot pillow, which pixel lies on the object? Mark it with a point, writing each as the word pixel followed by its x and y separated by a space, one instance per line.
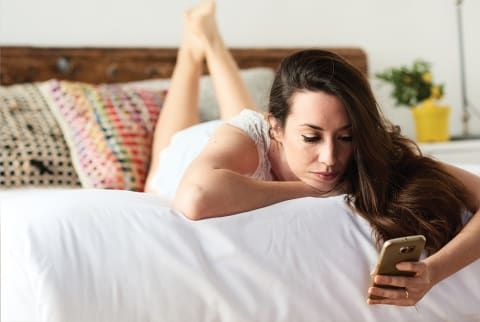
pixel 33 151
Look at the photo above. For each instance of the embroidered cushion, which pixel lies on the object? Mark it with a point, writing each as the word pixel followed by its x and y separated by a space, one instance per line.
pixel 109 129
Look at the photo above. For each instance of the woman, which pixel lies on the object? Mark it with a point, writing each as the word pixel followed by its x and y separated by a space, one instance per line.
pixel 324 135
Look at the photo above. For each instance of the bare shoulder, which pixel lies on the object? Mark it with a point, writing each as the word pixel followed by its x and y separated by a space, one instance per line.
pixel 230 148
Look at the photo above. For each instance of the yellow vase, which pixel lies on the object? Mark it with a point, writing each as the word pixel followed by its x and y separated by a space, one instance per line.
pixel 431 121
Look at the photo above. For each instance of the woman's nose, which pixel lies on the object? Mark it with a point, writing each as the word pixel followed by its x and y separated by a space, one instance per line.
pixel 326 153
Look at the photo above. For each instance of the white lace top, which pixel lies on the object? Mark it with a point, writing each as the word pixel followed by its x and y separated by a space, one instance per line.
pixel 256 127
pixel 187 144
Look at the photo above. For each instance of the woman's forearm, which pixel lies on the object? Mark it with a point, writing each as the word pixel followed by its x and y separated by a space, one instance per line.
pixel 458 253
pixel 221 192
pixel 465 247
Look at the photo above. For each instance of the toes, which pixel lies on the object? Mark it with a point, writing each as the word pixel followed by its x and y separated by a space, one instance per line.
pixel 206 8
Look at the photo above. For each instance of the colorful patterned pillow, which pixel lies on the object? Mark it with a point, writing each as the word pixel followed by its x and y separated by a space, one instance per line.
pixel 32 149
pixel 109 129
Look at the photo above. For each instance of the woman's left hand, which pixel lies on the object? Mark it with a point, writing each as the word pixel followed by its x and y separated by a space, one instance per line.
pixel 412 288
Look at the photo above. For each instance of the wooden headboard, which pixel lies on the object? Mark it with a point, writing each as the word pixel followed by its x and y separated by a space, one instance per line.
pixel 108 65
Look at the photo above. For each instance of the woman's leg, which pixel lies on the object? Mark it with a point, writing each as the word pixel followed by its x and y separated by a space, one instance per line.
pixel 180 108
pixel 230 90
pixel 201 40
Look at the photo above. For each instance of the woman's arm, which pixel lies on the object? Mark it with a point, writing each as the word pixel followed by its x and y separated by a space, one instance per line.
pixel 462 250
pixel 465 247
pixel 217 182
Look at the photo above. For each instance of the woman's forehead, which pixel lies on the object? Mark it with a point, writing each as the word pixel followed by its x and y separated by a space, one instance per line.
pixel 317 108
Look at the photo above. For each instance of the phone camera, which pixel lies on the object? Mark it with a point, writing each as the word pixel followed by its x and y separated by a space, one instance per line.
pixel 406 249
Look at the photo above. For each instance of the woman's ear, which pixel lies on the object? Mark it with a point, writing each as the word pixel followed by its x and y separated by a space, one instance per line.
pixel 275 131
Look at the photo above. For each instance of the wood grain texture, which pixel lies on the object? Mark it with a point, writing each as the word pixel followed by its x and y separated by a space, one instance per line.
pixel 109 65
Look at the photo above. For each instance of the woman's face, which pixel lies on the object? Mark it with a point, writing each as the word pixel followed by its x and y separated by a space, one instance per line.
pixel 317 139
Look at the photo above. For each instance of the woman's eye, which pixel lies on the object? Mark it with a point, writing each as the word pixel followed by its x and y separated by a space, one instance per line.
pixel 346 138
pixel 309 139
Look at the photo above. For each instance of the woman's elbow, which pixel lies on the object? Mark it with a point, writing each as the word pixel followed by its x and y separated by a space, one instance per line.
pixel 150 189
pixel 192 202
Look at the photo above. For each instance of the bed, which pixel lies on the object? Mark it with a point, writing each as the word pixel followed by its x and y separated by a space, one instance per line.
pixel 77 245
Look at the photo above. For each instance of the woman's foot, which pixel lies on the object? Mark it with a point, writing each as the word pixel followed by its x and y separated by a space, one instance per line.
pixel 192 45
pixel 200 21
pixel 198 29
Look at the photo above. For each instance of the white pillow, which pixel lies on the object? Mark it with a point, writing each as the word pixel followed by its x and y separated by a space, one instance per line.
pixel 258 81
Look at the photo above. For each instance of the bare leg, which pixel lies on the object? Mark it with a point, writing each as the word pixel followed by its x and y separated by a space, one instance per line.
pixel 201 40
pixel 231 92
pixel 180 109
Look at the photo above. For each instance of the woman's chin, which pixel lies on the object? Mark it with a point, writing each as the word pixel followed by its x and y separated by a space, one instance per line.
pixel 327 187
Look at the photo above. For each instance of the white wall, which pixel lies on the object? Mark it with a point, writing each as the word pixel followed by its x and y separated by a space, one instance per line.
pixel 393 32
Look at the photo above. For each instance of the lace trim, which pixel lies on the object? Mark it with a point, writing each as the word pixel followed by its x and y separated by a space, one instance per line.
pixel 256 127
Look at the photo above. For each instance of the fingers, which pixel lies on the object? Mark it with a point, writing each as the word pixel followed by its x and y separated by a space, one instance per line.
pixel 404 290
pixel 400 297
pixel 417 267
pixel 398 281
pixel 412 284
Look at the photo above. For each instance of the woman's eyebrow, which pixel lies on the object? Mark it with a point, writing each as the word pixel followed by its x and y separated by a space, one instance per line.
pixel 315 127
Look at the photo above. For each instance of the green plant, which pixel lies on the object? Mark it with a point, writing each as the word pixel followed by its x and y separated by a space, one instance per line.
pixel 411 85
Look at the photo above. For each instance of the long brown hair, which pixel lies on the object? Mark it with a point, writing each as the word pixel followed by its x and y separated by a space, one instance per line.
pixel 399 191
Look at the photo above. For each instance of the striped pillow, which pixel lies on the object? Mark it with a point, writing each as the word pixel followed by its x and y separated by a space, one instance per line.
pixel 109 129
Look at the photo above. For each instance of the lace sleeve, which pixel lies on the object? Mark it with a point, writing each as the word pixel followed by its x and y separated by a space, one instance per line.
pixel 256 127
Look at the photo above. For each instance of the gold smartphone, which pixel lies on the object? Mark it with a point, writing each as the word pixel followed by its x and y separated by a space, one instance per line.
pixel 394 251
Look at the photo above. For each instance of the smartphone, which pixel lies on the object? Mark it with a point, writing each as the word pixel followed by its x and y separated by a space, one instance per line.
pixel 394 251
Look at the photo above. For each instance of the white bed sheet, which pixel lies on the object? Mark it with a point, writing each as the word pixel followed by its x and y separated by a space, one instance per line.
pixel 91 255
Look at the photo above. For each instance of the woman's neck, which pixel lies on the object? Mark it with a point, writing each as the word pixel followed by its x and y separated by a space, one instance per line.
pixel 279 166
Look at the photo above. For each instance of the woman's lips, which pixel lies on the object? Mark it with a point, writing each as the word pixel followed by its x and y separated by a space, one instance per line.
pixel 328 176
